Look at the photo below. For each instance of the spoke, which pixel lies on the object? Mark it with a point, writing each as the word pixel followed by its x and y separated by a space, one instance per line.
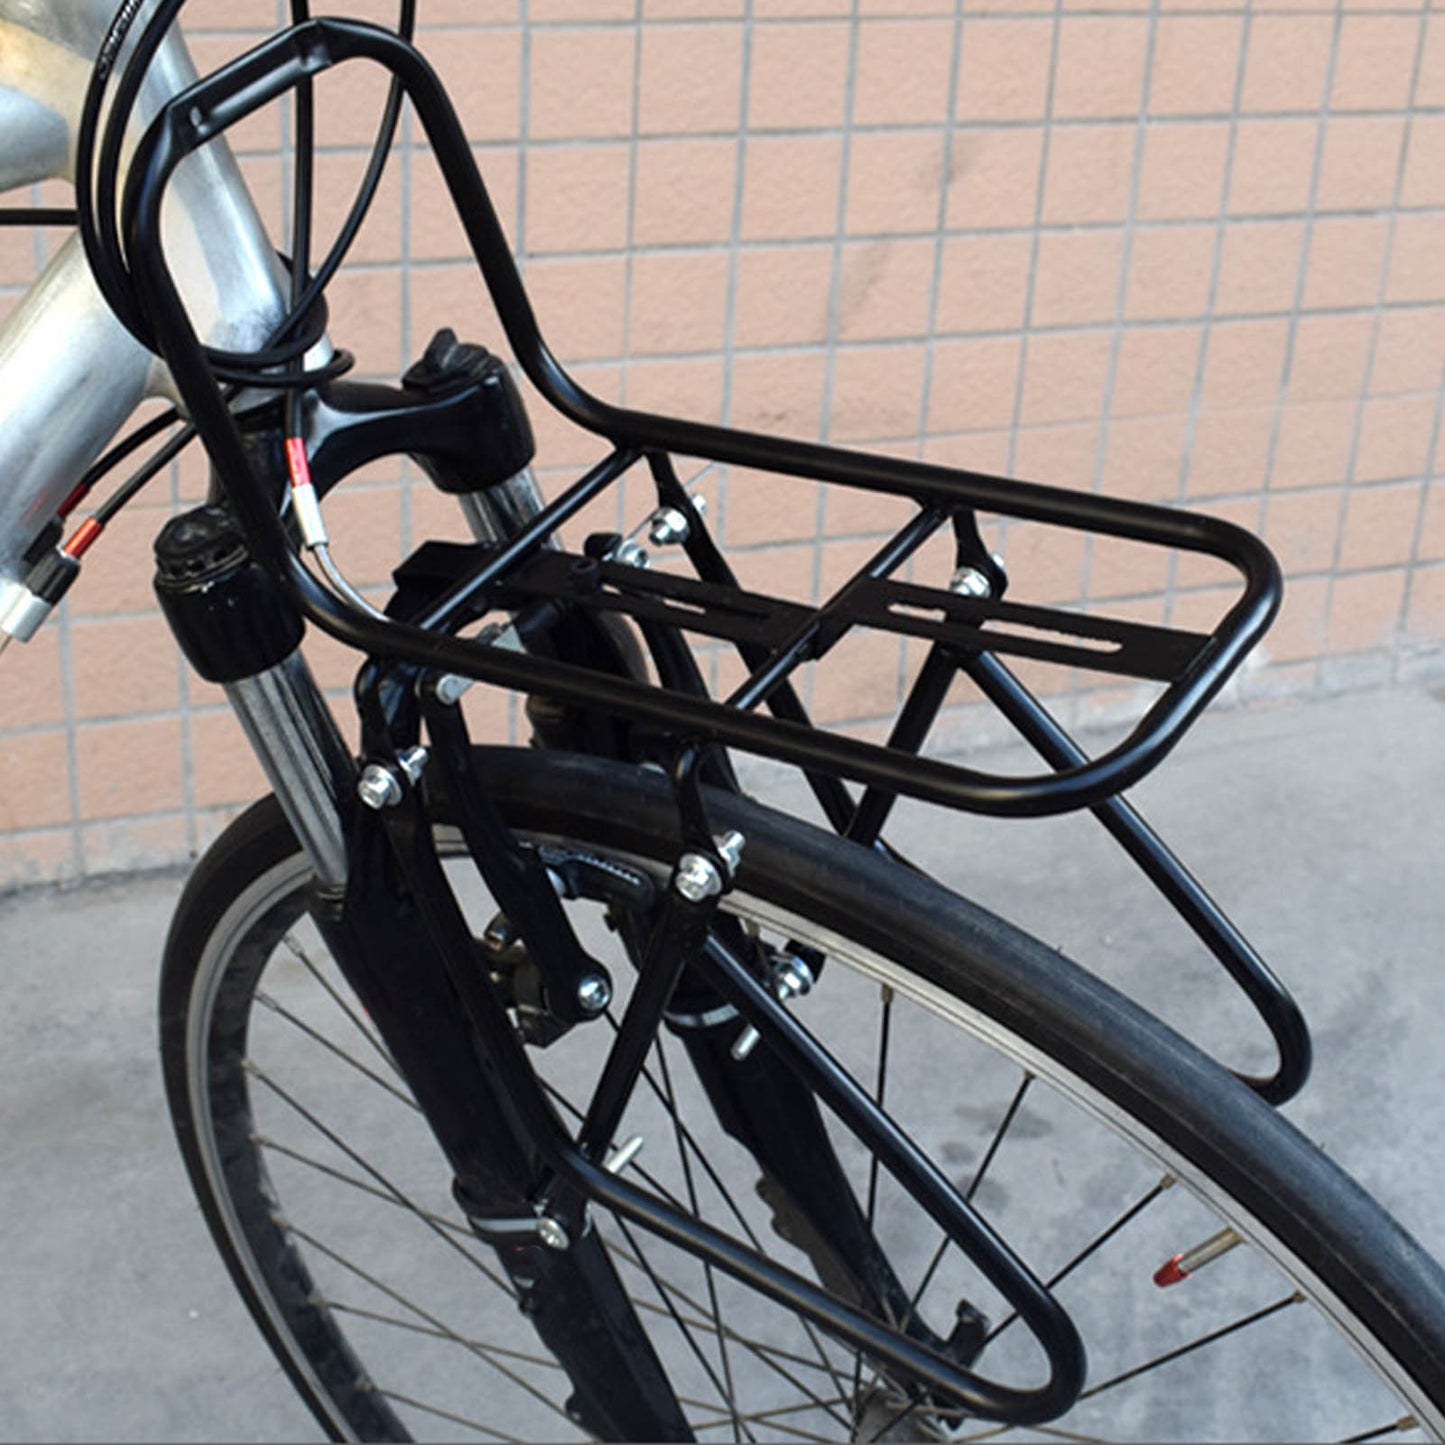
pixel 708 1273
pixel 984 1164
pixel 767 1354
pixel 412 1327
pixel 1004 1124
pixel 1212 1338
pixel 362 1028
pixel 1396 1427
pixel 885 1034
pixel 749 1233
pixel 765 1417
pixel 652 1182
pixel 262 1142
pixel 1052 1431
pixel 795 1431
pixel 283 1012
pixel 1095 1244
pixel 880 1088
pixel 476 1350
pixel 663 1295
pixel 400 1197
pixel 441 1414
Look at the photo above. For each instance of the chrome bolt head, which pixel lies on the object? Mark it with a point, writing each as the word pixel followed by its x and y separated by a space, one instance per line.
pixel 551 1233
pixel 500 934
pixel 970 582
pixel 792 978
pixel 697 878
pixel 667 527
pixel 378 787
pixel 594 993
pixel 630 554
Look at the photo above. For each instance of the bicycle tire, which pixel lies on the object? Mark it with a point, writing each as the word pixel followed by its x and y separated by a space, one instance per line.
pixel 1045 1018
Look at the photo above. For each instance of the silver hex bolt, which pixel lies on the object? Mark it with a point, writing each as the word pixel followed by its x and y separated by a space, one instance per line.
pixel 551 1233
pixel 378 787
pixel 594 993
pixel 697 878
pixel 970 582
pixel 629 554
pixel 791 979
pixel 668 526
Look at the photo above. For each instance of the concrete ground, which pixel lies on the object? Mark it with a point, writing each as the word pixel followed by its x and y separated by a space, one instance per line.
pixel 1321 826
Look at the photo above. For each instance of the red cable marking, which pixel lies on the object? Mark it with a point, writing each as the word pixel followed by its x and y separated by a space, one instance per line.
pixel 72 501
pixel 296 462
pixel 84 538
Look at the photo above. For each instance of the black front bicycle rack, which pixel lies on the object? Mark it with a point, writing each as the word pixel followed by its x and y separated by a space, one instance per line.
pixel 775 637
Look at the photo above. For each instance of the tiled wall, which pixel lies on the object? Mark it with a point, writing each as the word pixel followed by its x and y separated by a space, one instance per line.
pixel 1179 252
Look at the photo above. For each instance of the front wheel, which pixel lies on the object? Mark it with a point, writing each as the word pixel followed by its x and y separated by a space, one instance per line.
pixel 1094 1140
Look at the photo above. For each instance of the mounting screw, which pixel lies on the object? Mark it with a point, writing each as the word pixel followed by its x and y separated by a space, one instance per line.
pixel 500 934
pixel 697 878
pixel 451 687
pixel 667 527
pixel 970 582
pixel 730 850
pixel 378 787
pixel 629 554
pixel 791 978
pixel 412 761
pixel 552 1234
pixel 624 1155
pixel 594 993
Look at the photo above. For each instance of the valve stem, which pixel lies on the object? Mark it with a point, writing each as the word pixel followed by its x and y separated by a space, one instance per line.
pixel 1192 1260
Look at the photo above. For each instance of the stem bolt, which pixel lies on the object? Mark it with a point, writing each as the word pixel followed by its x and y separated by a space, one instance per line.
pixel 594 993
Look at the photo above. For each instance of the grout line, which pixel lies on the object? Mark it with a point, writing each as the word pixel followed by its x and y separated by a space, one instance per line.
pixel 805 684
pixel 1305 256
pixel 1371 354
pixel 1121 292
pixel 629 260
pixel 722 486
pixel 812 240
pixel 1201 360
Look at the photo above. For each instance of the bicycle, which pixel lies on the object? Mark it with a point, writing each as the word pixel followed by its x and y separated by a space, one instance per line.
pixel 414 939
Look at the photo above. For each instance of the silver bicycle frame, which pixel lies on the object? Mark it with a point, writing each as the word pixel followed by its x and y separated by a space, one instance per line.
pixel 70 374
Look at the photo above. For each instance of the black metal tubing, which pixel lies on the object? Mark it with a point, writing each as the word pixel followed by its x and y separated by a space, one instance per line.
pixel 515 1104
pixel 514 1082
pixel 278 65
pixel 818 631
pixel 1273 1003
